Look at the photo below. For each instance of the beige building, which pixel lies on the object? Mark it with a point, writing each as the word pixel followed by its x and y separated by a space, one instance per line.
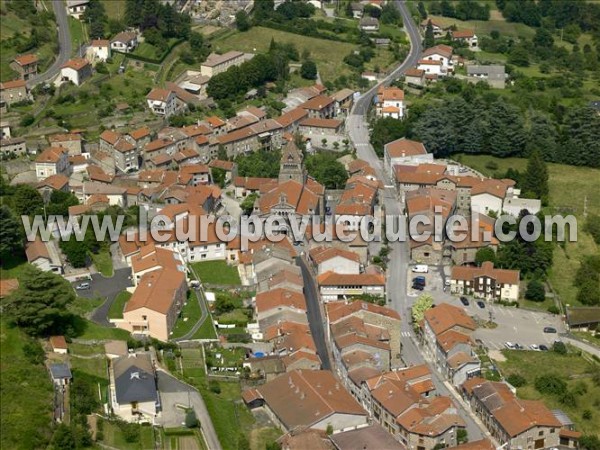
pixel 305 399
pixel 515 423
pixel 52 161
pixel 337 286
pixel 485 282
pixel 13 92
pixel 216 64
pixel 13 146
pixel 73 142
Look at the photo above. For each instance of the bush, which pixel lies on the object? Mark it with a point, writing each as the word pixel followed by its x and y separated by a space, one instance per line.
pixel 214 386
pixel 516 380
pixel 535 291
pixel 191 421
pixel 553 309
pixel 550 384
pixel 587 414
pixel 27 120
pixel 560 348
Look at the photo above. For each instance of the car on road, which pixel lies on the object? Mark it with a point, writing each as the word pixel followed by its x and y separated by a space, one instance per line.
pixel 481 304
pixel 549 330
pixel 510 345
pixel 420 268
pixel 82 286
pixel 519 347
pixel 464 301
pixel 543 348
pixel 535 347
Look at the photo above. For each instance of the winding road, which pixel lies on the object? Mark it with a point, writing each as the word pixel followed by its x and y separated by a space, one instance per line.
pixel 358 131
pixel 64 45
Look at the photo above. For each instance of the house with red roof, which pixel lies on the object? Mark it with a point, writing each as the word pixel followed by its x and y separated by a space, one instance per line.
pixel 26 65
pixel 76 70
pixel 485 282
pixel 390 102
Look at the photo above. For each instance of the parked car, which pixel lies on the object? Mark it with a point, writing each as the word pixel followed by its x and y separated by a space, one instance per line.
pixel 543 348
pixel 82 286
pixel 535 347
pixel 464 301
pixel 518 346
pixel 419 280
pixel 420 268
pixel 418 287
pixel 549 330
pixel 481 304
pixel 510 345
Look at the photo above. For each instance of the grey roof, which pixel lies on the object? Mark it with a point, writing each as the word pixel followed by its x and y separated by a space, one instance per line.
pixel 373 436
pixel 60 371
pixel 562 417
pixel 369 22
pixel 491 71
pixel 134 379
pixel 583 315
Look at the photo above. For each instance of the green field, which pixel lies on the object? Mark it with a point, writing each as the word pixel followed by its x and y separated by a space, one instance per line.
pixel 226 409
pixel 78 35
pixel 217 272
pixel 114 438
pixel 117 306
pixel 190 314
pixel 497 22
pixel 574 369
pixel 103 262
pixel 206 330
pixel 114 8
pixel 25 396
pixel 328 55
pixel 91 330
pixel 569 187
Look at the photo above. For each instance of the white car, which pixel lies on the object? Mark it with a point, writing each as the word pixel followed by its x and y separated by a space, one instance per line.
pixel 421 268
pixel 510 345
pixel 83 286
pixel 535 347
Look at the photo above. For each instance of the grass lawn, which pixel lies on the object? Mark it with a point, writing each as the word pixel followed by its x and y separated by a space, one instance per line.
pixel 114 8
pixel 116 309
pixel 327 54
pixel 82 306
pixel 569 185
pixel 26 395
pixel 103 262
pixel 260 437
pixel 485 27
pixel 91 330
pixel 190 314
pixel 113 437
pixel 217 272
pixel 13 266
pixel 572 368
pixel 206 330
pixel 226 409
pixel 96 367
pixel 78 34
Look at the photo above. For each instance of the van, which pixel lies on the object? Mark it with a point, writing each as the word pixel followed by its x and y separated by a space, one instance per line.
pixel 420 268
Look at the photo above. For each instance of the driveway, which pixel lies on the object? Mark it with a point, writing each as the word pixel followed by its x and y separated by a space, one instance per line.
pixel 176 395
pixel 106 288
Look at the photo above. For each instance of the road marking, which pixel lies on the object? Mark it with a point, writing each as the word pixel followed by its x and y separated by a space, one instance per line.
pixel 405 334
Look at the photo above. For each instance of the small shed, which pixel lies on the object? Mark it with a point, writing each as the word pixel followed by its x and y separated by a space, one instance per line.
pixel 60 374
pixel 58 344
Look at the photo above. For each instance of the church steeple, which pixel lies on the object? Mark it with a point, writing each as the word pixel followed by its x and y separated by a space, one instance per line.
pixel 291 167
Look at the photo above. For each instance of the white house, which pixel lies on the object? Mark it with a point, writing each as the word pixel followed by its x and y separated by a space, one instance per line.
pixel 76 8
pixel 488 195
pixel 76 70
pixel 99 50
pixel 162 102
pixel 467 36
pixel 514 205
pixel 52 161
pixel 390 102
pixel 44 256
pixel 133 393
pixel 441 53
pixel 124 42
pixel 405 151
pixel 335 259
pixel 431 67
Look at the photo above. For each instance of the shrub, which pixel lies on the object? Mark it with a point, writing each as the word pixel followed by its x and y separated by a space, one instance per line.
pixel 535 291
pixel 214 386
pixel 560 348
pixel 587 414
pixel 553 309
pixel 516 380
pixel 550 384
pixel 191 421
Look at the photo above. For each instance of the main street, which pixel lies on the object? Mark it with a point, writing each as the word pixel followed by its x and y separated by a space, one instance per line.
pixel 64 45
pixel 358 131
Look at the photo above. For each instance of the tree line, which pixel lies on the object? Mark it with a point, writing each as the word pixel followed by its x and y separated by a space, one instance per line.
pixel 461 10
pixel 472 119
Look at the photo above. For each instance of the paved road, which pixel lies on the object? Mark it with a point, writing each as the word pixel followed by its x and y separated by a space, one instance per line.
pixel 313 312
pixel 106 288
pixel 64 42
pixel 357 127
pixel 174 392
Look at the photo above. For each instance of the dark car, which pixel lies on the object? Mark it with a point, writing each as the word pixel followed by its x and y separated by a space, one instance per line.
pixel 519 347
pixel 549 330
pixel 543 348
pixel 418 287
pixel 481 304
pixel 464 301
pixel 419 280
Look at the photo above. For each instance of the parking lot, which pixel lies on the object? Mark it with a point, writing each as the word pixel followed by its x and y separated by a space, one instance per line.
pixel 514 325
